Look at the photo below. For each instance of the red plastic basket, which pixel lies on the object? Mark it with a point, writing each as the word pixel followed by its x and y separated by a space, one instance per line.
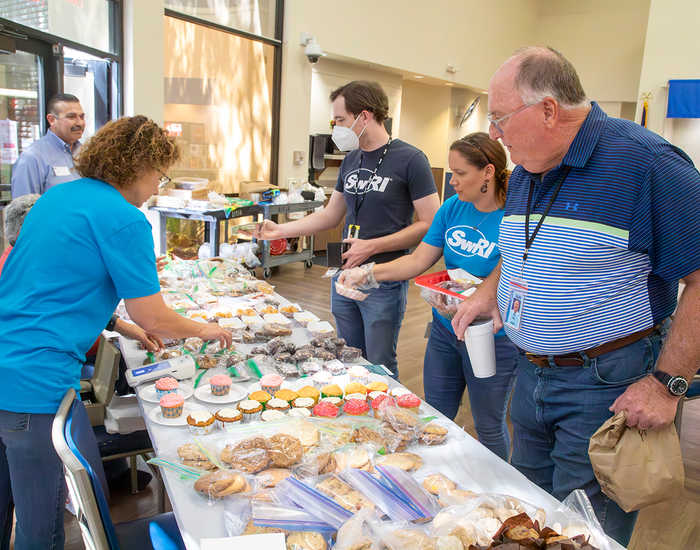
pixel 430 280
pixel 278 247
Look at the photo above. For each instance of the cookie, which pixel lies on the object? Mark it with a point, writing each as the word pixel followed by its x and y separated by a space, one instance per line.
pixel 433 434
pixel 272 476
pixel 450 497
pixel 221 483
pixel 396 441
pixel 405 461
pixel 413 539
pixel 366 435
pixel 356 458
pixel 306 540
pixel 284 450
pixel 250 455
pixel 191 455
pixel 344 494
pixel 438 483
pixel 326 463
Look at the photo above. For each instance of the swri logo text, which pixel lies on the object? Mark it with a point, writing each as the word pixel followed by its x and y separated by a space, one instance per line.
pixel 467 241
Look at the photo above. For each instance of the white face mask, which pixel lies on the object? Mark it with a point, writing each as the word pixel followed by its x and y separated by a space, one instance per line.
pixel 344 138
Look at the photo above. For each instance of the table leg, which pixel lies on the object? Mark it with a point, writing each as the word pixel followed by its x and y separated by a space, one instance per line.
pixel 163 236
pixel 214 238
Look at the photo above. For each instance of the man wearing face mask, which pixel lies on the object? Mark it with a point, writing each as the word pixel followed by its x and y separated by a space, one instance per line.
pixel 49 161
pixel 382 182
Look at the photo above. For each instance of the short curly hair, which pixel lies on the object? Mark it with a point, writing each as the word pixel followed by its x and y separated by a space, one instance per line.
pixel 123 149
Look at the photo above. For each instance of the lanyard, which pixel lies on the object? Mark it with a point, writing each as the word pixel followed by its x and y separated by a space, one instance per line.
pixel 360 199
pixel 531 239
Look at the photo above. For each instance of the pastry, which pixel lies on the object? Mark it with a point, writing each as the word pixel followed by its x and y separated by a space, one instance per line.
pixel 272 415
pixel 303 403
pixel 433 434
pixel 221 483
pixel 413 539
pixel 250 409
pixel 356 458
pixel 358 374
pixel 326 463
pixel 310 391
pixel 325 409
pixel 284 450
pixel 335 367
pixel 299 413
pixel 310 367
pixel 337 401
pixel 165 385
pixel 200 422
pixel 356 407
pixel 366 435
pixel 250 455
pixel 355 387
pixel 343 494
pixel 171 405
pixel 405 461
pixel 438 483
pixel 410 402
pixel 331 390
pixel 271 383
pixel 220 384
pixel 322 379
pixel 191 455
pixel 396 441
pixel 228 417
pixel 276 329
pixel 206 361
pixel 260 396
pixel 400 420
pixel 348 354
pixel 377 385
pixel 286 395
pixel 272 476
pixel 276 404
pixel 306 540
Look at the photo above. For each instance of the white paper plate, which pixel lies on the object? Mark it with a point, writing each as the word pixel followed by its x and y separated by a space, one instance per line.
pixel 157 416
pixel 148 393
pixel 203 393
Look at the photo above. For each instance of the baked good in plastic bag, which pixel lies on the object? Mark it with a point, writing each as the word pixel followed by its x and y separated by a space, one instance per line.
pixel 284 450
pixel 272 476
pixel 350 293
pixel 306 540
pixel 250 455
pixel 221 483
pixel 348 354
pixel 343 494
pixel 403 460
pixel 433 434
pixel 192 455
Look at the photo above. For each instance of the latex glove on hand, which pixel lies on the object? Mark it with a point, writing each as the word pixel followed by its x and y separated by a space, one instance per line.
pixel 150 342
pixel 353 278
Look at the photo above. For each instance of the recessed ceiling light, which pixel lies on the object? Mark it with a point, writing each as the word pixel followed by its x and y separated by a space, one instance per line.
pixel 418 76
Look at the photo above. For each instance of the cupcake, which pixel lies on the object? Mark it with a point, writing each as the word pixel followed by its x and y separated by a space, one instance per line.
pixel 228 418
pixel 220 384
pixel 200 422
pixel 321 379
pixel 271 415
pixel 260 396
pixel 355 387
pixel 381 401
pixel 398 391
pixel 332 390
pixel 336 401
pixel 166 385
pixel 310 391
pixel 250 409
pixel 277 404
pixel 326 410
pixel 360 396
pixel 358 374
pixel 286 395
pixel 356 407
pixel 271 383
pixel 303 403
pixel 377 385
pixel 171 405
pixel 409 401
pixel 371 396
pixel 300 413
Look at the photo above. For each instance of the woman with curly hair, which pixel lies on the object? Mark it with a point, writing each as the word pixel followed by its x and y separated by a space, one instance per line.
pixel 84 246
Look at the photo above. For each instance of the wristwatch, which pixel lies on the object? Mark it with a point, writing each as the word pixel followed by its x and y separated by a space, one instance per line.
pixel 676 385
pixel 112 321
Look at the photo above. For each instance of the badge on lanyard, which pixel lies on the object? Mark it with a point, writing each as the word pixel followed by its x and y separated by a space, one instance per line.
pixel 516 302
pixel 61 171
pixel 353 231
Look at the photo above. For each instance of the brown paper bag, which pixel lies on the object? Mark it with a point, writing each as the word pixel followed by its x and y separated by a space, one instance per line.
pixel 637 468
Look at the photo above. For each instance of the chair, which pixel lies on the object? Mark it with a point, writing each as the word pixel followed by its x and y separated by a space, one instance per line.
pixel 100 390
pixel 86 491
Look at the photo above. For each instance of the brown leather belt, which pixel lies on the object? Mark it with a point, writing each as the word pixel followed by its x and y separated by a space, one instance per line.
pixel 577 359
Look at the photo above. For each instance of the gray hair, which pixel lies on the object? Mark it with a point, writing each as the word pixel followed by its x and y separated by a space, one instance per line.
pixel 545 72
pixel 15 212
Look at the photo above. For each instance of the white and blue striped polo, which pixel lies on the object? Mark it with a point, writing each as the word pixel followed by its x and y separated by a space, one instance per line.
pixel 622 231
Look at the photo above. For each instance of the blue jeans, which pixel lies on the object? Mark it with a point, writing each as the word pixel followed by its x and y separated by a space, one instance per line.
pixel 446 373
pixel 556 410
pixel 373 324
pixel 31 475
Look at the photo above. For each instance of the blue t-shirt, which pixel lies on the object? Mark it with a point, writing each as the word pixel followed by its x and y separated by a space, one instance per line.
pixel 468 238
pixel 81 249
pixel 384 205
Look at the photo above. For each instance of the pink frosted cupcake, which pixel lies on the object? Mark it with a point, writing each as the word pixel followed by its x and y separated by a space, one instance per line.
pixel 409 402
pixel 271 383
pixel 220 384
pixel 166 385
pixel 171 405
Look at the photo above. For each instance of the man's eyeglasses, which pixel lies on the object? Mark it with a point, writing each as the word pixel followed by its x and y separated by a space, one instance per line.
pixel 163 180
pixel 496 122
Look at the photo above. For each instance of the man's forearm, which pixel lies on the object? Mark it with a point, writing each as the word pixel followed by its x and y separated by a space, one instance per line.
pixel 401 240
pixel 309 225
pixel 680 355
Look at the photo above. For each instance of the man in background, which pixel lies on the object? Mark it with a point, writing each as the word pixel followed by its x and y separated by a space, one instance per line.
pixel 49 160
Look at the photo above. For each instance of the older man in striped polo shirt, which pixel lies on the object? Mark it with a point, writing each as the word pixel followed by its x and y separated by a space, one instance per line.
pixel 601 221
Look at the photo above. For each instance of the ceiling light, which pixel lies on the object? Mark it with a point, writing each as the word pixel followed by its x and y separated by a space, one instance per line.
pixel 418 76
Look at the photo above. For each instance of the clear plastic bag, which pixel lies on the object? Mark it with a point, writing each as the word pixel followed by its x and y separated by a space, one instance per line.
pixel 410 490
pixel 392 504
pixel 345 494
pixel 266 514
pixel 350 293
pixel 357 532
pixel 312 501
pixel 237 514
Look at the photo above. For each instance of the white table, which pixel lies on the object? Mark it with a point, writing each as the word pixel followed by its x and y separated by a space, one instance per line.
pixel 462 459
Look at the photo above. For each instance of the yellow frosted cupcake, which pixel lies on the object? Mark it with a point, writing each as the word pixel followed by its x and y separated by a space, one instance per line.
pixel 355 387
pixel 377 386
pixel 311 392
pixel 331 390
pixel 260 396
pixel 286 395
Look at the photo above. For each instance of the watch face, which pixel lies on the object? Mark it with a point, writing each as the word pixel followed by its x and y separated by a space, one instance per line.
pixel 678 385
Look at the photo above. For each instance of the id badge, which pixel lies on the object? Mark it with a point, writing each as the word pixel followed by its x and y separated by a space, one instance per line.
pixel 61 171
pixel 516 303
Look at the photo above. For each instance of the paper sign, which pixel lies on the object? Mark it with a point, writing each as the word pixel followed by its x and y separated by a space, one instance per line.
pixel 266 541
pixel 61 170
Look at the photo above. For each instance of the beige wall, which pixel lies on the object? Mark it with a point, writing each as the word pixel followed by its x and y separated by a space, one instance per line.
pixel 603 39
pixel 672 50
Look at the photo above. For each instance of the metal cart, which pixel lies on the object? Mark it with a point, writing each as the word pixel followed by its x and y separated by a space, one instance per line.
pixel 212 229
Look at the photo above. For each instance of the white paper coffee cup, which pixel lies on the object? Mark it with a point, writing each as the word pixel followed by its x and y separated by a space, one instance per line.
pixel 481 348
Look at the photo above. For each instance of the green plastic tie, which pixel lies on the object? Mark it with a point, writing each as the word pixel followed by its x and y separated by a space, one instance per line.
pixel 254 367
pixel 199 378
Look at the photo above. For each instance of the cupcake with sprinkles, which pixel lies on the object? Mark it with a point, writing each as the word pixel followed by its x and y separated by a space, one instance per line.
pixel 171 405
pixel 166 385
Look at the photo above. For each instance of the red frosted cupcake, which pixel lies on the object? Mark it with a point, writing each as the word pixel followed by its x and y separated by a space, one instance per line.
pixel 220 384
pixel 356 407
pixel 409 401
pixel 326 410
pixel 171 405
pixel 381 401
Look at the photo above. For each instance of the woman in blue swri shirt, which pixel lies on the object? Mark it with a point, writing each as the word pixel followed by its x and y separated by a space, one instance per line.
pixel 465 232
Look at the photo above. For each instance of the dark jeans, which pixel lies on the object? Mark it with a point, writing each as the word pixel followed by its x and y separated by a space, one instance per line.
pixel 31 474
pixel 447 372
pixel 555 411
pixel 372 325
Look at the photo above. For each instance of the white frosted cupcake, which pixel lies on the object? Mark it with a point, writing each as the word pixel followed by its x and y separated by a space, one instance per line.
pixel 272 415
pixel 360 396
pixel 300 413
pixel 200 422
pixel 303 403
pixel 337 401
pixel 398 391
pixel 250 409
pixel 228 418
pixel 358 374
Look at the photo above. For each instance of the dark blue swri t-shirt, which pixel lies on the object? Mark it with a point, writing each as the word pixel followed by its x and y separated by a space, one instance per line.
pixel 384 205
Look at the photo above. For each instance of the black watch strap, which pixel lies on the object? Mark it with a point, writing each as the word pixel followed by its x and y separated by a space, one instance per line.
pixel 676 385
pixel 111 323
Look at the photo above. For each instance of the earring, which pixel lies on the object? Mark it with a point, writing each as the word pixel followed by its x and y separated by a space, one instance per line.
pixel 485 187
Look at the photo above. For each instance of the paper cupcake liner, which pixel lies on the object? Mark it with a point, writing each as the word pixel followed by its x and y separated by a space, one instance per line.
pixel 220 390
pixel 202 430
pixel 161 393
pixel 270 389
pixel 172 412
pixel 228 426
pixel 251 416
